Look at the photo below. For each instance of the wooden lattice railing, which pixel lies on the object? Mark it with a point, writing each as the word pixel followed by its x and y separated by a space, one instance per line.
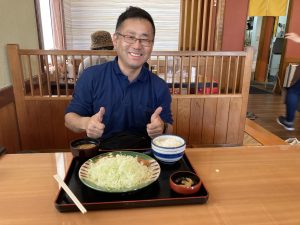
pixel 46 73
pixel 209 93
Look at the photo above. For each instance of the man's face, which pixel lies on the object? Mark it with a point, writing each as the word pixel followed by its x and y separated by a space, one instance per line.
pixel 132 54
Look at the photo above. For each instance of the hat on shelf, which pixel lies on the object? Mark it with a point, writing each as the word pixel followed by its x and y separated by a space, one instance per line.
pixel 101 39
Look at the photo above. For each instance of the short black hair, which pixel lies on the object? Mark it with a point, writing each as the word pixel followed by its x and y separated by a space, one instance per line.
pixel 104 48
pixel 135 12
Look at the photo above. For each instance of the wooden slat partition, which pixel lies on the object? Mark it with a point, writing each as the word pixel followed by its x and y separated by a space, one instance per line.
pixel 212 121
pixel 209 92
pixel 182 68
pixel 198 24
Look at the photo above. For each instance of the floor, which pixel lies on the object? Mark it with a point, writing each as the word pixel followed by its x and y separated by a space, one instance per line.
pixel 266 108
pixel 249 140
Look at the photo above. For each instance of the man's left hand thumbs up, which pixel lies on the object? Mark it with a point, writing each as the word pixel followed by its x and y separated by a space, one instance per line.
pixel 156 125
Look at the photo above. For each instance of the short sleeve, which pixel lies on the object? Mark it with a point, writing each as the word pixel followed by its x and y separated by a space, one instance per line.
pixel 82 100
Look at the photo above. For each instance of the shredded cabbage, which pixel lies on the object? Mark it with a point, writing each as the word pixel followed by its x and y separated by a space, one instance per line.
pixel 119 172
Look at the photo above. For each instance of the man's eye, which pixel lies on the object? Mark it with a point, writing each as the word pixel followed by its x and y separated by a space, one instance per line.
pixel 131 38
pixel 145 40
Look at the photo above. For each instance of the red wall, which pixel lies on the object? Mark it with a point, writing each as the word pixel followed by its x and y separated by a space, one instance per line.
pixel 235 19
pixel 292 48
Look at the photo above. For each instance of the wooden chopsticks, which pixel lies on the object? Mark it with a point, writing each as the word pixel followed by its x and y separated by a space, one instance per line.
pixel 70 193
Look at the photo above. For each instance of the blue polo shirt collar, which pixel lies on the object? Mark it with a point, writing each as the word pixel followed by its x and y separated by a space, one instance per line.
pixel 141 77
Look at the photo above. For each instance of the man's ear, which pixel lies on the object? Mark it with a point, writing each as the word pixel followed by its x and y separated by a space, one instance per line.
pixel 114 39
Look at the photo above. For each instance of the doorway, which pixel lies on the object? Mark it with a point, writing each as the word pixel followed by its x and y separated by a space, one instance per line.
pixel 266 35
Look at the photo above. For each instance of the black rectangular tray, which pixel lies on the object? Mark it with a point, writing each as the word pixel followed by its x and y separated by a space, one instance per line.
pixel 156 194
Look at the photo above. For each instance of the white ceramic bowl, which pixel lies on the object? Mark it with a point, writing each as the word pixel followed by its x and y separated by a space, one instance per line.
pixel 168 148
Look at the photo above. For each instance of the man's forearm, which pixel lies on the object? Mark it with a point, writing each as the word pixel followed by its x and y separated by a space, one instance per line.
pixel 75 122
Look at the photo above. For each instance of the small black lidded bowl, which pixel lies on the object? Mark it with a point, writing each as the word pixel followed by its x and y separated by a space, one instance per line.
pixel 85 147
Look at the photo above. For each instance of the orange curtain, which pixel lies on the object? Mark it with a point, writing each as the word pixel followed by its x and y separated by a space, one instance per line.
pixel 57 24
pixel 267 7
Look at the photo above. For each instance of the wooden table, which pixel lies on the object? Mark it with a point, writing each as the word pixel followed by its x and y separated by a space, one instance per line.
pixel 255 185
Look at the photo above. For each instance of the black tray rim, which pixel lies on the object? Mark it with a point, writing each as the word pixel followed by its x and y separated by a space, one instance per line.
pixel 126 204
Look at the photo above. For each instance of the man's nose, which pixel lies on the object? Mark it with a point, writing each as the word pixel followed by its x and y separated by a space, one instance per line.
pixel 137 44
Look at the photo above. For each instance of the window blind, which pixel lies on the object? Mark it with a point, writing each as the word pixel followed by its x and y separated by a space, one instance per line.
pixel 83 17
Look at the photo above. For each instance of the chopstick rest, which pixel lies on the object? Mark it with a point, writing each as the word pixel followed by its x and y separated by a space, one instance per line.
pixel 70 193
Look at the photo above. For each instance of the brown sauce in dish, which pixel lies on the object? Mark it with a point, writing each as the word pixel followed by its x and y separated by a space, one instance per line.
pixel 185 181
pixel 86 146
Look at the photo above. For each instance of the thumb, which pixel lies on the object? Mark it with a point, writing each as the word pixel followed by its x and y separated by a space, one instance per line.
pixel 156 113
pixel 101 113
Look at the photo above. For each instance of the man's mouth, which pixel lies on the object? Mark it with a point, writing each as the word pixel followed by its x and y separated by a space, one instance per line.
pixel 135 54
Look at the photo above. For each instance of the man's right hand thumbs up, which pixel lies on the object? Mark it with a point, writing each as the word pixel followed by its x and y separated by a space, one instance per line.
pixel 95 127
pixel 101 114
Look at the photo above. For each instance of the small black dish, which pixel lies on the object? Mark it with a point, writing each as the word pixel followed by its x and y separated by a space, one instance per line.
pixel 85 147
pixel 185 182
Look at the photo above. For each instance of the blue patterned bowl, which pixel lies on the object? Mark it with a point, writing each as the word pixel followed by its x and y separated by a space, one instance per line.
pixel 168 148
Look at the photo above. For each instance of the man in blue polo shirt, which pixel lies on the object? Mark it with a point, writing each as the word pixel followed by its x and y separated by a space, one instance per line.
pixel 123 95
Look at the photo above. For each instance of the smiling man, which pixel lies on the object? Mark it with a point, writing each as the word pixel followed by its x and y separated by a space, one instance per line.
pixel 122 102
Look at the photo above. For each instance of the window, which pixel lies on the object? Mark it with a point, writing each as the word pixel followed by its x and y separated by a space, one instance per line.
pixel 46 24
pixel 50 25
pixel 180 24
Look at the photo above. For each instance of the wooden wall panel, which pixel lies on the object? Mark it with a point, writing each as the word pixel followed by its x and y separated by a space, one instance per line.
pixel 9 135
pixel 6 96
pixel 234 29
pixel 30 129
pixel 196 120
pixel 221 120
pixel 174 114
pixel 44 119
pixel 183 113
pixel 61 135
pixel 209 120
pixel 200 121
pixel 234 120
pixel 212 121
pixel 48 115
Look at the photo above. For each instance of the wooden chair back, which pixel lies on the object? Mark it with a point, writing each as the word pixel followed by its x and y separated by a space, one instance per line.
pixel 209 93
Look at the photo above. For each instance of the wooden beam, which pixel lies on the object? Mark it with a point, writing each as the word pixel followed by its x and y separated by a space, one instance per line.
pixel 262 135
